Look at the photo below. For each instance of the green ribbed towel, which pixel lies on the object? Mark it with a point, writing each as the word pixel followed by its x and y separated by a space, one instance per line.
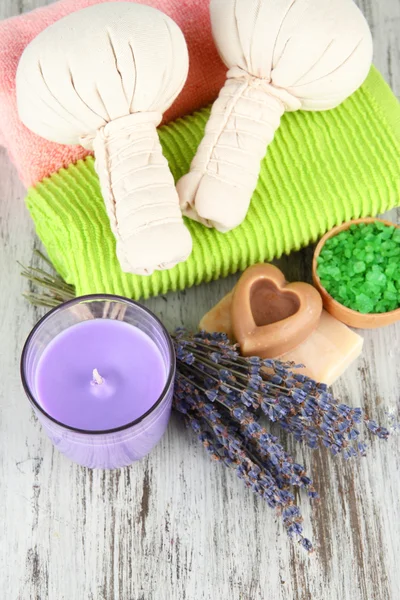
pixel 321 169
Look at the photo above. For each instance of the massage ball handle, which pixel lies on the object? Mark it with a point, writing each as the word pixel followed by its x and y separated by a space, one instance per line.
pixel 140 194
pixel 224 173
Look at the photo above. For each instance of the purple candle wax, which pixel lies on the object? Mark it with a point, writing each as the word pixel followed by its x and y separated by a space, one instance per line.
pixel 100 374
pixel 99 371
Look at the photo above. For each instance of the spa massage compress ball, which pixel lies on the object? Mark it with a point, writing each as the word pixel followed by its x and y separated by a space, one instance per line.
pixel 282 55
pixel 102 77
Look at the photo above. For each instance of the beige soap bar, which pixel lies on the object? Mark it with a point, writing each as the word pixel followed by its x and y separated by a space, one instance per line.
pixel 218 319
pixel 327 352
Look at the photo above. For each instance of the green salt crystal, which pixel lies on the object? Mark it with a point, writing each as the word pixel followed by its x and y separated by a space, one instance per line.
pixel 396 236
pixel 376 269
pixel 327 254
pixel 392 305
pixel 359 267
pixel 364 303
pixel 379 225
pixel 385 236
pixel 350 270
pixel 355 290
pixel 394 251
pixel 391 269
pixel 390 296
pixel 332 270
pixel 376 277
pixel 387 244
pixel 358 253
pixel 372 290
pixel 380 307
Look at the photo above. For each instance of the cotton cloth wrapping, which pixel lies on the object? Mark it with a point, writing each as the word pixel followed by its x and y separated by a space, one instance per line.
pixel 112 72
pixel 282 55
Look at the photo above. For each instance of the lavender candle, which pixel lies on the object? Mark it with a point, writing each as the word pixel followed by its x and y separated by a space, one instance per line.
pixel 99 372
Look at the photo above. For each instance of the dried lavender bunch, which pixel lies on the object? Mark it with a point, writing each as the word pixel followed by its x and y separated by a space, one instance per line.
pixel 260 462
pixel 222 396
pixel 300 405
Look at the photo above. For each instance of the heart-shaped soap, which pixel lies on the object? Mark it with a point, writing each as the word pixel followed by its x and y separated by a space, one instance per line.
pixel 270 316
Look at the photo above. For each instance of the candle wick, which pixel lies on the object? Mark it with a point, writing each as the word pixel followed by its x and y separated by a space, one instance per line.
pixel 97 378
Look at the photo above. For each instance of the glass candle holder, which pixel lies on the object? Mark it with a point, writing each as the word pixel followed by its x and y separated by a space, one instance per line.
pixel 104 447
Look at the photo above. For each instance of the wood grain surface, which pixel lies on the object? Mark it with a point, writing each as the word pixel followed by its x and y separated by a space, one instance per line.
pixel 176 526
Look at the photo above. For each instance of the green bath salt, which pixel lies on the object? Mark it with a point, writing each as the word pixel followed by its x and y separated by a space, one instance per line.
pixel 360 267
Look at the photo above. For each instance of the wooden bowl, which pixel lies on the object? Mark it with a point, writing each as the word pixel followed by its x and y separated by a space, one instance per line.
pixel 350 317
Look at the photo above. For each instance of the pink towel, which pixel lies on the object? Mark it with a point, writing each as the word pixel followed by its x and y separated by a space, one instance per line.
pixel 36 158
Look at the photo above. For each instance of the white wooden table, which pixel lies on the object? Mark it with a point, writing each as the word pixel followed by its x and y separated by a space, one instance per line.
pixel 176 526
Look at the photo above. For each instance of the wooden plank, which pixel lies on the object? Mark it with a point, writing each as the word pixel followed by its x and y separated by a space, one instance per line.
pixel 176 526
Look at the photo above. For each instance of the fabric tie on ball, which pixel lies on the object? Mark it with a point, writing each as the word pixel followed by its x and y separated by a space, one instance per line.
pixel 289 102
pixel 102 77
pixel 282 55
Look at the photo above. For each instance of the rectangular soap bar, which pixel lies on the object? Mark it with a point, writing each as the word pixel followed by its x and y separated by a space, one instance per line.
pixel 327 352
pixel 218 319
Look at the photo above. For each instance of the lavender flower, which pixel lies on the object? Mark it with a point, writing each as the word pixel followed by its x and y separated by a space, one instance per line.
pixel 300 405
pixel 223 441
pixel 222 396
